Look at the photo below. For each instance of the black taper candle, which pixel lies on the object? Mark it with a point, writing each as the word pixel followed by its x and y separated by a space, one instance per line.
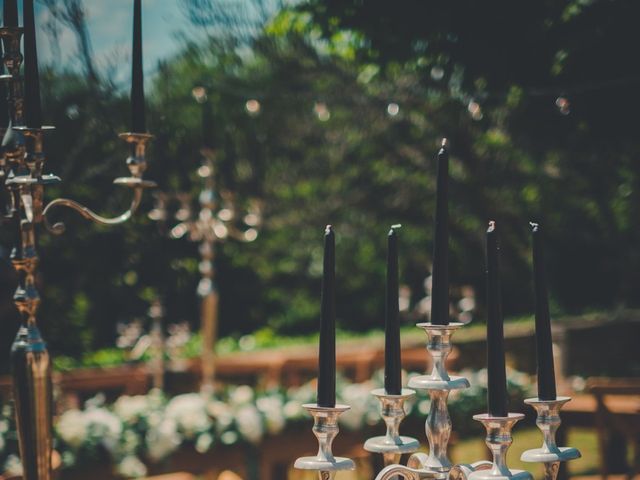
pixel 392 354
pixel 497 379
pixel 32 105
pixel 10 13
pixel 440 274
pixel 4 103
pixel 327 353
pixel 544 346
pixel 138 124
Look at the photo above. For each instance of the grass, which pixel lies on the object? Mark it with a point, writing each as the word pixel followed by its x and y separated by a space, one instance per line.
pixel 585 440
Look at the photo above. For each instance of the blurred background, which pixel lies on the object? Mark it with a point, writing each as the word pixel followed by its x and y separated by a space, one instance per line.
pixel 326 111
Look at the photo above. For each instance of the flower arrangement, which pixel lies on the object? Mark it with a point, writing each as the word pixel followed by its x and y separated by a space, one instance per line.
pixel 138 430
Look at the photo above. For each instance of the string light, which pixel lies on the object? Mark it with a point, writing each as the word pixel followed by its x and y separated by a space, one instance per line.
pixel 199 94
pixel 252 106
pixel 322 111
pixel 393 109
pixel 437 73
pixel 564 107
pixel 474 109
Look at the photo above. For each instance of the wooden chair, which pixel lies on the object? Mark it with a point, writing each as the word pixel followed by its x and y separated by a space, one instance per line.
pixel 617 411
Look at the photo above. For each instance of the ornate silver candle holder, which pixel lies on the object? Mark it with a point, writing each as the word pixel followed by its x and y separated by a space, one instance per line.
pixel 499 440
pixel 325 428
pixel 392 445
pixel 548 421
pixel 438 384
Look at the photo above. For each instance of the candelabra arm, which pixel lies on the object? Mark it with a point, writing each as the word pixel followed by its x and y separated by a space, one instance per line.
pixel 59 227
pixel 137 166
pixel 548 421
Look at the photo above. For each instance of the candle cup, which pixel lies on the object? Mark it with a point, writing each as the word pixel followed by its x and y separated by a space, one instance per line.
pixel 548 421
pixel 325 428
pixel 499 440
pixel 392 445
pixel 438 384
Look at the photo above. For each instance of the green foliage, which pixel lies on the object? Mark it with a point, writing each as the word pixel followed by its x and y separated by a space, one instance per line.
pixel 324 150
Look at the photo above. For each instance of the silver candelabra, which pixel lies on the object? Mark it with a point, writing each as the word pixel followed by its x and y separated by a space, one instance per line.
pixel 436 465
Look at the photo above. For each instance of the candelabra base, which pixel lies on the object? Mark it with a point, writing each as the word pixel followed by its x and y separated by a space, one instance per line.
pixel 325 428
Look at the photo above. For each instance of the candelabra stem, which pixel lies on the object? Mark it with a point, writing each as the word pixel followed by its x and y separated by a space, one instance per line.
pixel 438 384
pixel 325 428
pixel 548 421
pixel 499 440
pixel 392 445
pixel 30 362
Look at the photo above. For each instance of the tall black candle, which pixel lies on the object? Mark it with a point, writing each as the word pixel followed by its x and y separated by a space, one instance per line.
pixel 32 105
pixel 392 354
pixel 4 104
pixel 327 354
pixel 10 13
pixel 544 346
pixel 497 380
pixel 440 277
pixel 138 124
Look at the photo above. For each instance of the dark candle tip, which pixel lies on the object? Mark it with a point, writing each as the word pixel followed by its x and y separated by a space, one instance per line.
pixel 492 226
pixel 328 230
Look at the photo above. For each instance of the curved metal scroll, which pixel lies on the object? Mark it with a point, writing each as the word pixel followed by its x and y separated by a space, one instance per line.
pixel 393 472
pixel 59 227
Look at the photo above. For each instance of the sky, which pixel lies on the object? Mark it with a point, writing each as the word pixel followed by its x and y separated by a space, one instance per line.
pixel 110 24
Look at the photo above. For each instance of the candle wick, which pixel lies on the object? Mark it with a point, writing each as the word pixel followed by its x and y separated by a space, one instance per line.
pixel 445 143
pixel 492 226
pixel 396 226
pixel 534 226
pixel 328 229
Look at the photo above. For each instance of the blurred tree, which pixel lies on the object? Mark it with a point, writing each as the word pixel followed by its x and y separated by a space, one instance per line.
pixel 331 112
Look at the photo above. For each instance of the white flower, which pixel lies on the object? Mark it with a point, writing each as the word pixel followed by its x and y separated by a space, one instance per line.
pixel 190 413
pixel 130 408
pixel 241 395
pixel 293 410
pixel 358 396
pixel 204 442
pixel 4 426
pixel 72 428
pixel 12 467
pixel 131 467
pixel 249 423
pixel 222 414
pixel 105 426
pixel 229 438
pixel 163 439
pixel 2 443
pixel 271 408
